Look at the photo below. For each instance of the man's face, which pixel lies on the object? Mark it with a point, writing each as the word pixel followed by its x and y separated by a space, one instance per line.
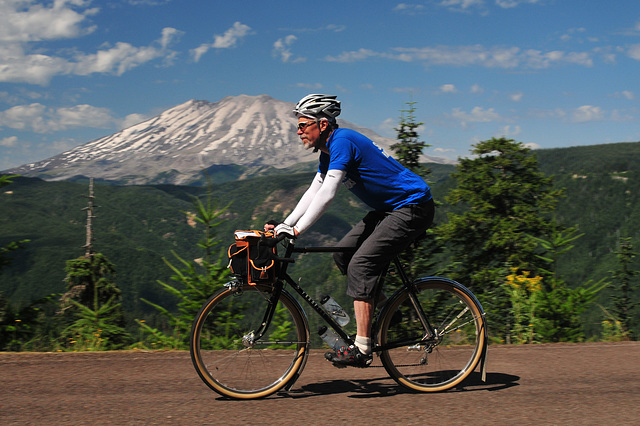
pixel 309 131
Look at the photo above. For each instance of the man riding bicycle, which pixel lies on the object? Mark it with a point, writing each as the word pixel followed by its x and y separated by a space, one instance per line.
pixel 402 204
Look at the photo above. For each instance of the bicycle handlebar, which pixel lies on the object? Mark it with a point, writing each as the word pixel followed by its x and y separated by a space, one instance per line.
pixel 272 242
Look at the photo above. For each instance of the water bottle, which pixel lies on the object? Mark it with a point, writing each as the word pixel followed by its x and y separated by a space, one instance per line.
pixel 335 310
pixel 330 337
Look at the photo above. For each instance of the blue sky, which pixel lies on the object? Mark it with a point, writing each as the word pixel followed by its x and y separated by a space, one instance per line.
pixel 549 73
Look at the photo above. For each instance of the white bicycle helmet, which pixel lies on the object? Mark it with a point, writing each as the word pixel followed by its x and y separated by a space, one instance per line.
pixel 318 106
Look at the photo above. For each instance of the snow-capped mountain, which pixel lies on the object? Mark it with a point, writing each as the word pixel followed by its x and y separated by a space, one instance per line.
pixel 177 145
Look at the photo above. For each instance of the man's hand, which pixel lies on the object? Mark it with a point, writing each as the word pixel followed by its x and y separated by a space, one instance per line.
pixel 283 228
pixel 271 225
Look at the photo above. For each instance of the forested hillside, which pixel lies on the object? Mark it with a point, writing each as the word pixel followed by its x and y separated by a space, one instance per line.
pixel 136 226
pixel 602 197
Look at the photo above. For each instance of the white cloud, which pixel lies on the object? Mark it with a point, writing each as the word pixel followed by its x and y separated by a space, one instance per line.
pixel 509 131
pixel 132 120
pixel 409 8
pixel 281 49
pixel 41 119
pixel 169 35
pixel 310 86
pixel 23 117
pixel 507 4
pixel 199 51
pixel 23 21
pixel 388 127
pixel 353 56
pixel 229 39
pixel 623 116
pixel 474 55
pixel 477 89
pixel 84 116
pixel 627 94
pixel 118 59
pixel 516 97
pixel 461 4
pixel 587 113
pixel 21 67
pixel 9 142
pixel 539 60
pixel 444 150
pixel 532 145
pixel 634 52
pixel 448 88
pixel 477 115
pixel 459 56
pixel 329 27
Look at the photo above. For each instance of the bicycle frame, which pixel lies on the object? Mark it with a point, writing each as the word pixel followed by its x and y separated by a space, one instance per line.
pixel 284 277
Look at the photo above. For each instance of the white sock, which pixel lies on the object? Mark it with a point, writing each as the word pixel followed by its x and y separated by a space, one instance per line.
pixel 364 344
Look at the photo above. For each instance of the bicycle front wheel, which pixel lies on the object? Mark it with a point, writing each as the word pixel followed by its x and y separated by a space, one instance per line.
pixel 432 363
pixel 226 354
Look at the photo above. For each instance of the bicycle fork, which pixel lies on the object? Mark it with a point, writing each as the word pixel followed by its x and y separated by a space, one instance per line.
pixel 430 332
pixel 249 340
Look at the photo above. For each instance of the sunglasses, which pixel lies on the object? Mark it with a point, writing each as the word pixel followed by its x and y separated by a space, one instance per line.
pixel 303 125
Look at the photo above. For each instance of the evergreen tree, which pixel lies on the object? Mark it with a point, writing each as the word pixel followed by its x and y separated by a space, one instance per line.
pixel 409 148
pixel 5 260
pixel 27 328
pixel 17 326
pixel 91 306
pixel 197 280
pixel 408 151
pixel 558 305
pixel 624 288
pixel 505 198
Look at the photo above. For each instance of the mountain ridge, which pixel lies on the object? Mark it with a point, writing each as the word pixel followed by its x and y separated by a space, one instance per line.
pixel 176 146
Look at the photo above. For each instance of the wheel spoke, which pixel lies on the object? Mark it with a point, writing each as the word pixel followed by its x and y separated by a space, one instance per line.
pixel 224 351
pixel 441 362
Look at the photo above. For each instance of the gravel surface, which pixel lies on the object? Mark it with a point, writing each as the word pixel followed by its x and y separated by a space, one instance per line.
pixel 587 384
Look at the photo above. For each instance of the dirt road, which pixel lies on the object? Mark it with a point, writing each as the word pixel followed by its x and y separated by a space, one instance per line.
pixel 587 384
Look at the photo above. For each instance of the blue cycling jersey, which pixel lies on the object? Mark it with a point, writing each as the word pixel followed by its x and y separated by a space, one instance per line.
pixel 371 174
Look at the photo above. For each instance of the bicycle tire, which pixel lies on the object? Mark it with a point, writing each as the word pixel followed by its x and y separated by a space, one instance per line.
pixel 433 365
pixel 248 371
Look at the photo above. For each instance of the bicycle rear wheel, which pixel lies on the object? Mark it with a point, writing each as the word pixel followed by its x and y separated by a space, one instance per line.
pixel 225 356
pixel 439 363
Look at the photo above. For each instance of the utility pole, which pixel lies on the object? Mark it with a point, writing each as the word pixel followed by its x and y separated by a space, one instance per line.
pixel 89 242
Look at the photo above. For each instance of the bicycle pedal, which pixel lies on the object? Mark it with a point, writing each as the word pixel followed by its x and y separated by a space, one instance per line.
pixel 338 365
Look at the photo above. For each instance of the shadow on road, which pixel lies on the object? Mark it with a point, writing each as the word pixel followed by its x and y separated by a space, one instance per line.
pixel 384 387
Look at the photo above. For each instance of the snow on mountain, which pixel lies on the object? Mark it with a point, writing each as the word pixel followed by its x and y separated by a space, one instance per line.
pixel 177 145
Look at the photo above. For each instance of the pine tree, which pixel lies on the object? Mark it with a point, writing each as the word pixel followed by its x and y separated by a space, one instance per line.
pixel 5 260
pixel 504 198
pixel 409 148
pixel 196 281
pixel 624 288
pixel 91 307
pixel 559 305
pixel 408 152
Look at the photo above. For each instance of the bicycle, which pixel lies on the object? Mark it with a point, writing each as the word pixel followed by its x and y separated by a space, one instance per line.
pixel 251 341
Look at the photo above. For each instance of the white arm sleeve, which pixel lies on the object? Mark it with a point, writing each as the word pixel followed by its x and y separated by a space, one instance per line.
pixel 321 200
pixel 305 201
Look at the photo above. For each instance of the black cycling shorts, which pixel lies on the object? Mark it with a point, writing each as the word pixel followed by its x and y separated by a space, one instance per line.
pixel 379 237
